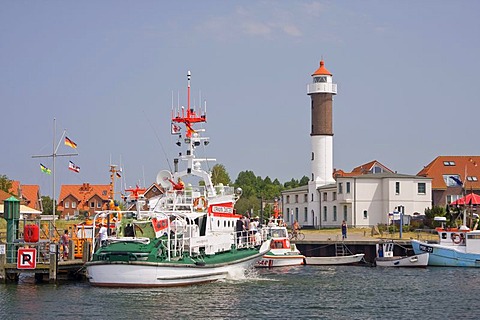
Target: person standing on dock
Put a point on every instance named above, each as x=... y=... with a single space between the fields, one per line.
x=64 y=242
x=344 y=230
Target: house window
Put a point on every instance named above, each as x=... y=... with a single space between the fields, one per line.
x=312 y=196
x=92 y=204
x=397 y=187
x=452 y=197
x=452 y=180
x=305 y=211
x=296 y=214
x=347 y=186
x=325 y=213
x=345 y=213
x=365 y=214
x=288 y=199
x=74 y=204
x=296 y=198
x=422 y=188
x=312 y=176
x=472 y=178
x=334 y=196
x=99 y=204
x=449 y=163
x=313 y=156
x=324 y=196
x=340 y=188
x=334 y=213
x=288 y=215
x=67 y=204
x=305 y=198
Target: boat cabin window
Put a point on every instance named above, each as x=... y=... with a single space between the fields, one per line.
x=444 y=235
x=473 y=236
x=278 y=233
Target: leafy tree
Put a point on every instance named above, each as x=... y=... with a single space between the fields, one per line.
x=247 y=181
x=47 y=204
x=435 y=211
x=291 y=184
x=5 y=183
x=220 y=175
x=304 y=181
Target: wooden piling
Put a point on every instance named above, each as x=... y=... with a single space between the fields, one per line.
x=3 y=273
x=52 y=274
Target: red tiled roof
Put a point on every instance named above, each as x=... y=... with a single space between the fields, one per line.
x=4 y=195
x=30 y=194
x=463 y=166
x=84 y=191
x=360 y=170
x=322 y=70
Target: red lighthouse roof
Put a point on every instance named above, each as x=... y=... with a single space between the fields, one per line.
x=322 y=71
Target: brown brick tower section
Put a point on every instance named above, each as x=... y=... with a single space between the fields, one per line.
x=322 y=114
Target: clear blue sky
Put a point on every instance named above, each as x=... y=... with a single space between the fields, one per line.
x=407 y=75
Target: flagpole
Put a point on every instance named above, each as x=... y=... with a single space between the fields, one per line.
x=54 y=155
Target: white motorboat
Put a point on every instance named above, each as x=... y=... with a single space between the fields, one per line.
x=385 y=257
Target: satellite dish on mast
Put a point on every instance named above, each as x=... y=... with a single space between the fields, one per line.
x=163 y=179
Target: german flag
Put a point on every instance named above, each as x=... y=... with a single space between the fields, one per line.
x=70 y=143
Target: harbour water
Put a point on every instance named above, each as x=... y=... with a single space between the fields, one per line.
x=302 y=292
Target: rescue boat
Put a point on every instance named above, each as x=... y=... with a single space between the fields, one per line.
x=187 y=235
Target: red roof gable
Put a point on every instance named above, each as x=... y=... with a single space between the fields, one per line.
x=30 y=194
x=4 y=195
x=462 y=166
x=362 y=169
x=84 y=191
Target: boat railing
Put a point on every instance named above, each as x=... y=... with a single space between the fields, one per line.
x=181 y=199
x=247 y=239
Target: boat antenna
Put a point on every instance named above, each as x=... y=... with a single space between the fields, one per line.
x=159 y=141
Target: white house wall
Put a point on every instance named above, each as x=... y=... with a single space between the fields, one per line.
x=376 y=195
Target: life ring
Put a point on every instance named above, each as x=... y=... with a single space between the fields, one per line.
x=456 y=238
x=200 y=203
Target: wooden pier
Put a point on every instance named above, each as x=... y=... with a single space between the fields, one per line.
x=330 y=248
x=47 y=266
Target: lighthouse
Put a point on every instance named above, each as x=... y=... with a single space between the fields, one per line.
x=321 y=91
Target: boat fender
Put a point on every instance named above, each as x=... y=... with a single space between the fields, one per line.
x=456 y=238
x=200 y=203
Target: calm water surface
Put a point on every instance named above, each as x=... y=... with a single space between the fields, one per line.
x=303 y=292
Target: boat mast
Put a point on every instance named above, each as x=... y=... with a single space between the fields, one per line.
x=193 y=140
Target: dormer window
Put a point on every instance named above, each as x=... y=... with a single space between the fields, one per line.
x=472 y=178
x=449 y=163
x=319 y=79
